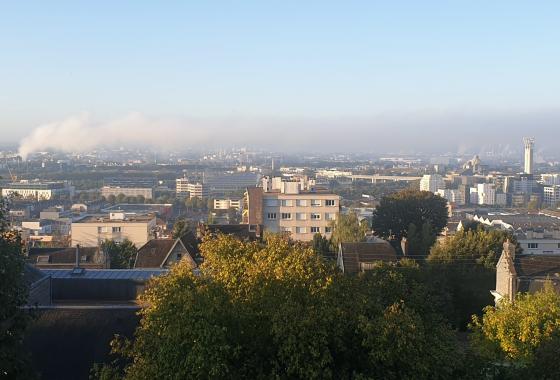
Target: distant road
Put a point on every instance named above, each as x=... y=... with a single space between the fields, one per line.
x=384 y=178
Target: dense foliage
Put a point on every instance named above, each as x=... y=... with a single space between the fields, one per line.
x=463 y=266
x=13 y=295
x=396 y=212
x=277 y=310
x=121 y=254
x=521 y=340
x=348 y=229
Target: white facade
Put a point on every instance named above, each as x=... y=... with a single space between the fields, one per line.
x=226 y=204
x=528 y=143
x=37 y=190
x=432 y=183
x=486 y=194
x=452 y=196
x=552 y=195
x=94 y=230
x=184 y=188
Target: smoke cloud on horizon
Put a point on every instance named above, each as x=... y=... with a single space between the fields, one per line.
x=418 y=131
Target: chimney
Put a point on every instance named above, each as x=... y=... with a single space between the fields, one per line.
x=77 y=256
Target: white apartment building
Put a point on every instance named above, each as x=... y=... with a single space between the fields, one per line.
x=291 y=207
x=486 y=194
x=37 y=190
x=95 y=229
x=452 y=196
x=184 y=189
x=227 y=203
x=432 y=183
x=552 y=195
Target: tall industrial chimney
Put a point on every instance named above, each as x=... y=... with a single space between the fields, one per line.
x=529 y=142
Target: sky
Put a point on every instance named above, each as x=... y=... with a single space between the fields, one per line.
x=363 y=75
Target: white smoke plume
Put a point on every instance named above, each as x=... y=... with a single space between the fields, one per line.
x=82 y=133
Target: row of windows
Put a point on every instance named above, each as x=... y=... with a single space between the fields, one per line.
x=299 y=202
x=536 y=245
x=304 y=230
x=300 y=216
x=101 y=230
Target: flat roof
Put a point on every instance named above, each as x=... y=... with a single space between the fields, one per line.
x=105 y=219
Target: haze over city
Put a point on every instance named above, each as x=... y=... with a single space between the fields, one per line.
x=83 y=75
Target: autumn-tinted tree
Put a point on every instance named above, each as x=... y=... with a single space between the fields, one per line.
x=121 y=254
x=13 y=295
x=277 y=310
x=396 y=212
x=521 y=339
x=348 y=229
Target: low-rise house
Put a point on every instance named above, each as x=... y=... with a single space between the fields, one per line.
x=163 y=253
x=524 y=273
x=359 y=257
x=66 y=258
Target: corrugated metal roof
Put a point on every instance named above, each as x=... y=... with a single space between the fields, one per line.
x=108 y=274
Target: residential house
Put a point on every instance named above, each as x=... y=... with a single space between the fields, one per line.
x=359 y=257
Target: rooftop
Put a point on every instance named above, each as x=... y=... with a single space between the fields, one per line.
x=104 y=218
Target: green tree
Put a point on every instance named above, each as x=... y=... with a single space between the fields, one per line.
x=521 y=338
x=121 y=254
x=463 y=267
x=14 y=361
x=420 y=241
x=277 y=310
x=396 y=212
x=232 y=216
x=321 y=245
x=111 y=199
x=121 y=198
x=181 y=227
x=140 y=199
x=348 y=229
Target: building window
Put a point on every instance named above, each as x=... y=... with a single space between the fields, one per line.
x=315 y=230
x=116 y=229
x=315 y=216
x=287 y=202
x=301 y=216
x=286 y=215
x=532 y=245
x=328 y=230
x=329 y=202
x=301 y=230
x=271 y=215
x=329 y=216
x=302 y=202
x=315 y=202
x=286 y=229
x=179 y=256
x=101 y=230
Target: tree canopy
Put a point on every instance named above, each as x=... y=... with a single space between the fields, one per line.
x=13 y=295
x=278 y=310
x=521 y=339
x=396 y=212
x=348 y=229
x=121 y=254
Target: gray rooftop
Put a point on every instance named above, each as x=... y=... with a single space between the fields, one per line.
x=107 y=274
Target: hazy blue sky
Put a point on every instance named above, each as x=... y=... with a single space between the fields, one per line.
x=315 y=65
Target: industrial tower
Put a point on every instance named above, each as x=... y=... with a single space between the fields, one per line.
x=529 y=142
